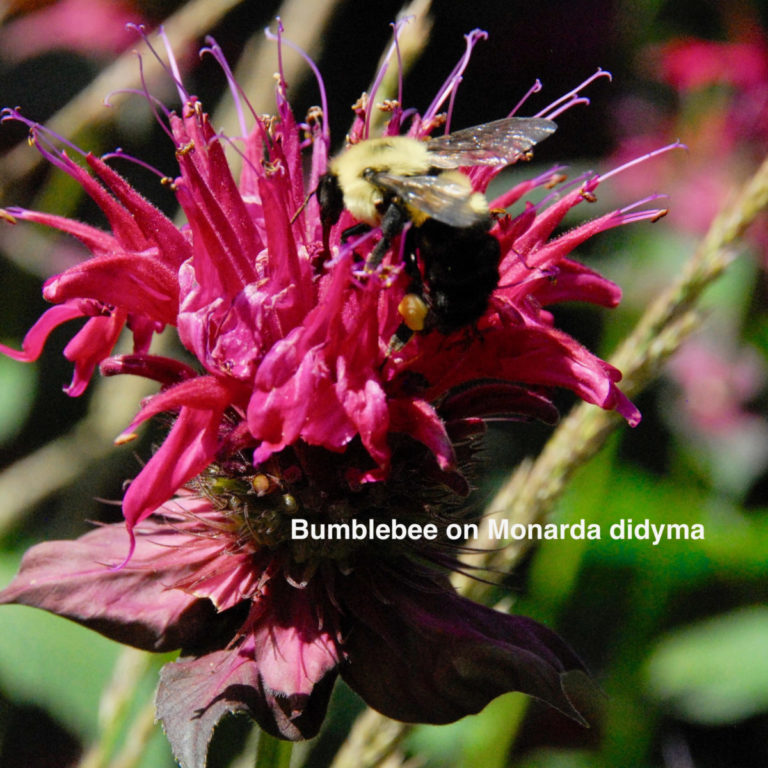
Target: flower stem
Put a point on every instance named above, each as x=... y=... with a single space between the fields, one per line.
x=130 y=668
x=272 y=752
x=373 y=741
x=137 y=738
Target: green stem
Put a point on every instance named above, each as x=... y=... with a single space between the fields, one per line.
x=115 y=705
x=272 y=752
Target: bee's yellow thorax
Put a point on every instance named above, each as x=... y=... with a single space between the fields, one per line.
x=398 y=155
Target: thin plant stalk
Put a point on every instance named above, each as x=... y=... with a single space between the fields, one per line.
x=114 y=706
x=143 y=728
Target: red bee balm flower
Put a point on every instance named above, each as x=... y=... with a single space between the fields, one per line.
x=303 y=431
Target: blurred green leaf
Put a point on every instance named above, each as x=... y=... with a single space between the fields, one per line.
x=733 y=542
x=53 y=663
x=17 y=386
x=557 y=563
x=635 y=496
x=477 y=741
x=555 y=758
x=64 y=668
x=491 y=732
x=716 y=671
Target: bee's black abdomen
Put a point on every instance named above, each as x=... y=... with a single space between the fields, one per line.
x=460 y=270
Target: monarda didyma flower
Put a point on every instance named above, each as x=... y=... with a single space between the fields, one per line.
x=300 y=408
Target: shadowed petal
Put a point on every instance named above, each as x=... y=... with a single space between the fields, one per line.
x=133 y=605
x=194 y=694
x=281 y=675
x=434 y=657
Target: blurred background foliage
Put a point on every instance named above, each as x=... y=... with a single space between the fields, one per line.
x=676 y=633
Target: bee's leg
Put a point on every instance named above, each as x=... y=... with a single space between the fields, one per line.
x=399 y=339
x=331 y=201
x=392 y=223
x=355 y=229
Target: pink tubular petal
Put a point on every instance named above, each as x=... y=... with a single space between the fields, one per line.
x=367 y=409
x=286 y=269
x=420 y=420
x=289 y=149
x=37 y=335
x=533 y=354
x=570 y=282
x=123 y=225
x=173 y=247
x=620 y=403
x=205 y=393
x=545 y=223
x=187 y=450
x=143 y=329
x=96 y=240
x=137 y=282
x=548 y=179
x=166 y=370
x=225 y=190
x=306 y=405
x=216 y=212
x=575 y=282
x=93 y=342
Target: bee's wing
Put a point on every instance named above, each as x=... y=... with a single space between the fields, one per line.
x=500 y=142
x=438 y=197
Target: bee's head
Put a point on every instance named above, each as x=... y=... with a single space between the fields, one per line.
x=331 y=199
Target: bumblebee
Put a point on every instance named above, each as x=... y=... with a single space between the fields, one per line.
x=451 y=257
